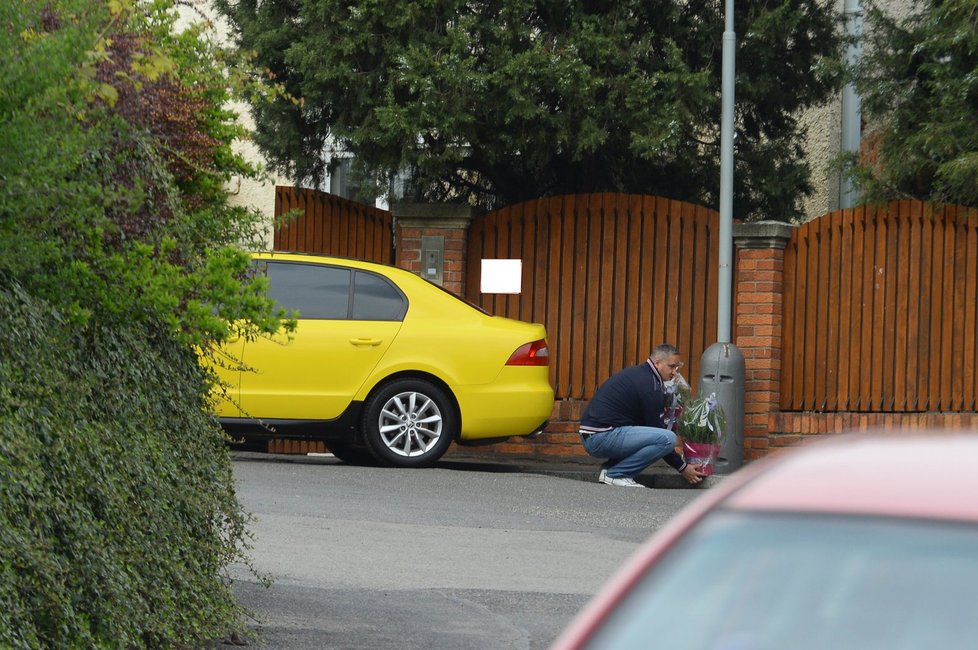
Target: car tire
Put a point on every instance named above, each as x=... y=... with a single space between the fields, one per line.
x=350 y=453
x=409 y=423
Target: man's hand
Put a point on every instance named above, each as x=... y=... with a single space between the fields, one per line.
x=693 y=474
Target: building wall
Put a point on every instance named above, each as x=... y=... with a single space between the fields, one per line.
x=823 y=127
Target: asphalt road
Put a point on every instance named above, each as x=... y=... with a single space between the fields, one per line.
x=462 y=555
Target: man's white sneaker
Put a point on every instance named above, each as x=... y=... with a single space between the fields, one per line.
x=602 y=475
x=623 y=481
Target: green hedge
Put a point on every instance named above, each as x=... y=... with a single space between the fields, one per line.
x=117 y=508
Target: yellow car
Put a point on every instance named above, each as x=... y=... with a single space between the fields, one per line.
x=384 y=366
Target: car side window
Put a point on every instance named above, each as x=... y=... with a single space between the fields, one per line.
x=315 y=291
x=375 y=298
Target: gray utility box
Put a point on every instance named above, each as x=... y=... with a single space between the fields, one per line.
x=722 y=373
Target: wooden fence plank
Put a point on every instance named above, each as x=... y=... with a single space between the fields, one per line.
x=832 y=288
x=658 y=268
x=797 y=332
x=878 y=320
x=514 y=250
x=840 y=401
x=958 y=227
x=789 y=338
x=617 y=205
x=936 y=315
x=528 y=253
x=604 y=253
x=709 y=237
x=948 y=312
x=890 y=278
x=924 y=314
x=822 y=365
x=914 y=311
x=902 y=307
x=810 y=328
x=559 y=309
x=685 y=264
x=495 y=242
x=672 y=270
x=970 y=383
x=585 y=305
x=868 y=274
x=319 y=210
x=856 y=280
x=646 y=276
x=631 y=205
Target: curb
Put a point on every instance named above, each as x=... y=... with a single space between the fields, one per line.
x=662 y=478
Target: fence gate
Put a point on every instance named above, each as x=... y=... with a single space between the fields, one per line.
x=331 y=225
x=610 y=275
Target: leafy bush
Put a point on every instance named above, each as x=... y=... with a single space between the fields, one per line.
x=117 y=507
x=118 y=259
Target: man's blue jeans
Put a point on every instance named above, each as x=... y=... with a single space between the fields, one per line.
x=629 y=450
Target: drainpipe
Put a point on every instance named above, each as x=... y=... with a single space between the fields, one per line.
x=851 y=114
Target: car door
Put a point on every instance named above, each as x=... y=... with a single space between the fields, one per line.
x=225 y=361
x=347 y=319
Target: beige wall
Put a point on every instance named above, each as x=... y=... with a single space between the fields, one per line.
x=246 y=192
x=823 y=142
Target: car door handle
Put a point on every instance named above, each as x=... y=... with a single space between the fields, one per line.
x=371 y=342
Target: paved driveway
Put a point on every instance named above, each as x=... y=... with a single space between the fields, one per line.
x=463 y=555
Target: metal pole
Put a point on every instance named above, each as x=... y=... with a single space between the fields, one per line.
x=851 y=110
x=722 y=365
x=726 y=176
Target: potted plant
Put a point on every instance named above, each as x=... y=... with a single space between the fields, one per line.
x=701 y=426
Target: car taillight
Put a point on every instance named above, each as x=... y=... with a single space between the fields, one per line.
x=531 y=354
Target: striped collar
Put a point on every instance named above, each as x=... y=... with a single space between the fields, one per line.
x=655 y=373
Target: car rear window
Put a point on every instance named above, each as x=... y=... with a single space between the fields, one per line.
x=790 y=581
x=319 y=291
x=375 y=298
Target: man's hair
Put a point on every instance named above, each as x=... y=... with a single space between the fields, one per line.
x=663 y=351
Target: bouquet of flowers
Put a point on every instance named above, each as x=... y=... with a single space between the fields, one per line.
x=701 y=426
x=680 y=392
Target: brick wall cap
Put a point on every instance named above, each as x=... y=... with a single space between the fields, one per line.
x=434 y=215
x=762 y=234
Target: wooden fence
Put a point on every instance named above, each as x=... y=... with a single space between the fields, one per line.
x=331 y=225
x=610 y=275
x=880 y=311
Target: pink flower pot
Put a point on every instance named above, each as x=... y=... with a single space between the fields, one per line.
x=700 y=453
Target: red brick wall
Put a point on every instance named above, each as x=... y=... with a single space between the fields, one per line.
x=409 y=253
x=758 y=337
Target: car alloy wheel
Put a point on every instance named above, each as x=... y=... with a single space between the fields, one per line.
x=409 y=423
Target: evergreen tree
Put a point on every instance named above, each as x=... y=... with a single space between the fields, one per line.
x=919 y=81
x=498 y=101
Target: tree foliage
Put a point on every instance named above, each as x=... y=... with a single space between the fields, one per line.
x=119 y=258
x=497 y=101
x=116 y=147
x=919 y=82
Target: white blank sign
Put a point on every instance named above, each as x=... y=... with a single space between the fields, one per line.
x=502 y=276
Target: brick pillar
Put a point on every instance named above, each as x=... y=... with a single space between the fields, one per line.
x=758 y=321
x=437 y=229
